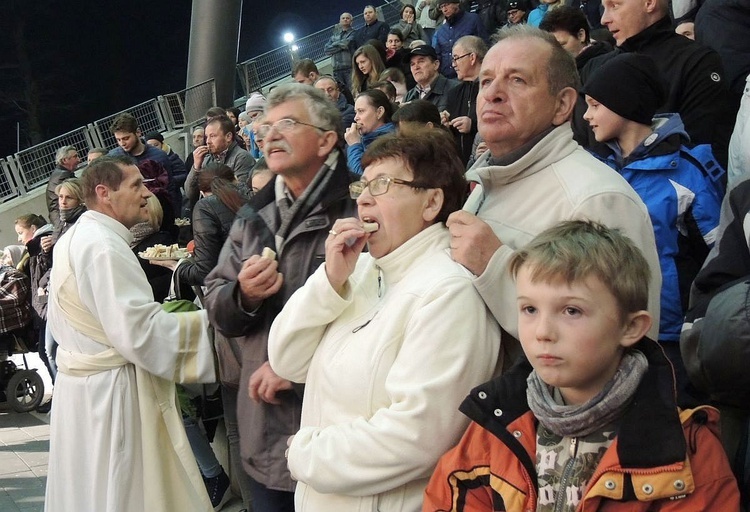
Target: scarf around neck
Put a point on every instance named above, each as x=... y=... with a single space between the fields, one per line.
x=292 y=212
x=602 y=410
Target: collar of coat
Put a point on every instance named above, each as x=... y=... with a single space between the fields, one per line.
x=654 y=34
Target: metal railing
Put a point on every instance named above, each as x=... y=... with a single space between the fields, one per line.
x=270 y=67
x=30 y=168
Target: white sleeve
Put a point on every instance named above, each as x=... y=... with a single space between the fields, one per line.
x=301 y=324
x=174 y=346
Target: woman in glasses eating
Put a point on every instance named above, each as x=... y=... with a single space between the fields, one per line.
x=388 y=342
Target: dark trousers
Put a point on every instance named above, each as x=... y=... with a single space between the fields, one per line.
x=241 y=480
x=270 y=500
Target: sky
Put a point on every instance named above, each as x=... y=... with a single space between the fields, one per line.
x=91 y=58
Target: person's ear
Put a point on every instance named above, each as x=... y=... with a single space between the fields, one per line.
x=380 y=112
x=652 y=6
x=566 y=102
x=636 y=326
x=433 y=204
x=102 y=193
x=327 y=142
x=582 y=35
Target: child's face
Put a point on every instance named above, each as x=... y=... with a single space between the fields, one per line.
x=572 y=334
x=605 y=124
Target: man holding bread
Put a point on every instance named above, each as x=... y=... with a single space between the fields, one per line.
x=291 y=216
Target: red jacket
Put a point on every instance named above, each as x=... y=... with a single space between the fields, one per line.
x=661 y=459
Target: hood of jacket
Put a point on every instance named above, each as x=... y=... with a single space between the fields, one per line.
x=668 y=134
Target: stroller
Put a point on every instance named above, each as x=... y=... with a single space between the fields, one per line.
x=23 y=387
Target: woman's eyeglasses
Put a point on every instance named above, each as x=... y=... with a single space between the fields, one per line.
x=378 y=186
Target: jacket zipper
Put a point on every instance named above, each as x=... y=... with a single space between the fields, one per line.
x=561 y=497
x=380 y=294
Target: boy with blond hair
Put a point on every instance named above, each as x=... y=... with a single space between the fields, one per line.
x=588 y=421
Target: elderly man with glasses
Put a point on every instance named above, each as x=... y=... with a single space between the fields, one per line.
x=292 y=216
x=460 y=115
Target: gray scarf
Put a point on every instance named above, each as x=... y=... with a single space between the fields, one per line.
x=292 y=213
x=602 y=410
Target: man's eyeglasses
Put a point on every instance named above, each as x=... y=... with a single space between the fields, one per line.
x=456 y=59
x=378 y=186
x=283 y=126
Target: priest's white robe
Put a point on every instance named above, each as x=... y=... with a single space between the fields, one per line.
x=116 y=439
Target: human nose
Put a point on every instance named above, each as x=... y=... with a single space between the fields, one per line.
x=365 y=197
x=587 y=115
x=272 y=133
x=606 y=18
x=543 y=328
x=493 y=91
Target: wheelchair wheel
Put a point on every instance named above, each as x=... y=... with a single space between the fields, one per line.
x=25 y=390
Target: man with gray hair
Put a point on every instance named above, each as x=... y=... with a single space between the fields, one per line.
x=534 y=174
x=66 y=162
x=460 y=115
x=328 y=85
x=247 y=289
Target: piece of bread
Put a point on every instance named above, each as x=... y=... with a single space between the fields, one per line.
x=268 y=253
x=369 y=227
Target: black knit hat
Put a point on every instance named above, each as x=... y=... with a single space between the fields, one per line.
x=155 y=135
x=630 y=85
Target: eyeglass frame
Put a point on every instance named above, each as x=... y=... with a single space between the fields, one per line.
x=456 y=59
x=383 y=177
x=264 y=129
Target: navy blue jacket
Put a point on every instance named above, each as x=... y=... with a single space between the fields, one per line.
x=462 y=24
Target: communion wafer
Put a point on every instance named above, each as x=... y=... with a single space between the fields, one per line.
x=268 y=253
x=369 y=227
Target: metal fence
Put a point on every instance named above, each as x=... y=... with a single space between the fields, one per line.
x=272 y=66
x=7 y=186
x=35 y=164
x=30 y=168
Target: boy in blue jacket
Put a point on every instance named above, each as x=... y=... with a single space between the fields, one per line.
x=680 y=186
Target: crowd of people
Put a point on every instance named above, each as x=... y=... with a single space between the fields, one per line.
x=497 y=260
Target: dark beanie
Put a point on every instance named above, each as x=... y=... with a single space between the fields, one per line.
x=155 y=135
x=629 y=85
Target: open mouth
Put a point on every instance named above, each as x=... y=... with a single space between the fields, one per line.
x=370 y=225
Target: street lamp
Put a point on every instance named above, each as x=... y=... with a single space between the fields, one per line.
x=289 y=39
